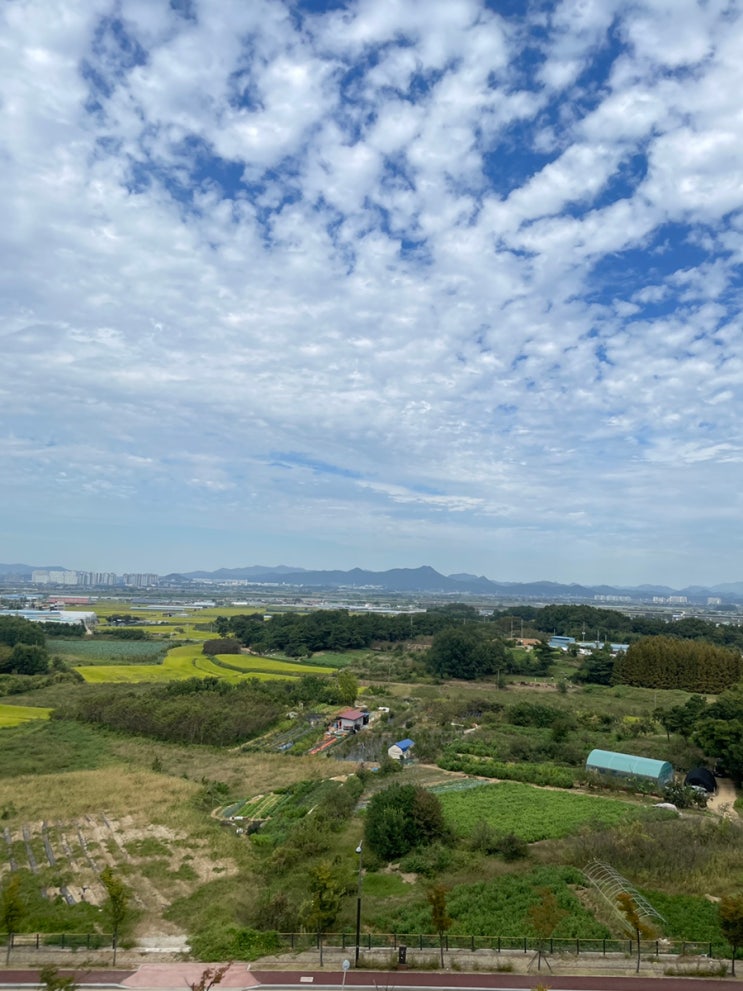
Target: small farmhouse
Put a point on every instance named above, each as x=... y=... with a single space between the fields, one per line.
x=401 y=750
x=629 y=766
x=350 y=720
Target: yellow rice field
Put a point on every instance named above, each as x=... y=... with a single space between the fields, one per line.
x=14 y=715
x=189 y=662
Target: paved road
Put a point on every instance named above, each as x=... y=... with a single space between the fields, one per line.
x=384 y=980
x=177 y=977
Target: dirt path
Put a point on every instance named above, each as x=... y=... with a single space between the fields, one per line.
x=724 y=801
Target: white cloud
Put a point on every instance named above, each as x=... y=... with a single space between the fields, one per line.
x=494 y=302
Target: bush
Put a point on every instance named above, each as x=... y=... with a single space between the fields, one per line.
x=402 y=817
x=220 y=942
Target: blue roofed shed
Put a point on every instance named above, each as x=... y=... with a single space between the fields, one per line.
x=400 y=750
x=629 y=766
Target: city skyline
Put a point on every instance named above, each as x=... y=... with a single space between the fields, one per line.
x=349 y=284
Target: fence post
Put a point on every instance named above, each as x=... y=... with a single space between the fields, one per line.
x=37 y=941
x=577 y=947
x=524 y=944
x=604 y=949
x=499 y=944
x=472 y=944
x=420 y=940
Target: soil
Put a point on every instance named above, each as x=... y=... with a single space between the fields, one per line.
x=723 y=802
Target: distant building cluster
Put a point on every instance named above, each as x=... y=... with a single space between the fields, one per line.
x=612 y=598
x=91 y=578
x=670 y=600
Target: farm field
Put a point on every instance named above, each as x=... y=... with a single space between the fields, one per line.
x=189 y=661
x=15 y=715
x=534 y=813
x=86 y=651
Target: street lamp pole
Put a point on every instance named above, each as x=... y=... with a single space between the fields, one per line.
x=358 y=908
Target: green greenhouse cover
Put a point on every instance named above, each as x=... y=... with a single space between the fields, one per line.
x=642 y=767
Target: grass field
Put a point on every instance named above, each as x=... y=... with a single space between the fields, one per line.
x=533 y=813
x=15 y=715
x=190 y=662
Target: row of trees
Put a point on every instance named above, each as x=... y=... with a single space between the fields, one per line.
x=689 y=665
x=298 y=634
x=589 y=622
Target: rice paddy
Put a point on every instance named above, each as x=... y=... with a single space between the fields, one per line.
x=15 y=715
x=189 y=661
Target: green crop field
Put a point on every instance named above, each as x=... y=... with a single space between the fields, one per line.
x=534 y=813
x=14 y=715
x=99 y=651
x=189 y=662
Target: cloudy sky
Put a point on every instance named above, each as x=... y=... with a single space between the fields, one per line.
x=374 y=283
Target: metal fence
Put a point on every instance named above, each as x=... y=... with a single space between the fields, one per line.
x=63 y=941
x=298 y=942
x=501 y=944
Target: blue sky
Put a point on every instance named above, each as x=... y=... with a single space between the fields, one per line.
x=375 y=284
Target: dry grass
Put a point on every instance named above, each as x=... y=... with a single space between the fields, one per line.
x=120 y=791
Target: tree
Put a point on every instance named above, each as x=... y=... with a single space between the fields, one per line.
x=348 y=687
x=117 y=906
x=12 y=910
x=730 y=911
x=467 y=652
x=28 y=658
x=441 y=920
x=641 y=928
x=545 y=916
x=400 y=818
x=326 y=895
x=51 y=979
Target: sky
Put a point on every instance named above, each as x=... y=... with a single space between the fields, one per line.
x=376 y=283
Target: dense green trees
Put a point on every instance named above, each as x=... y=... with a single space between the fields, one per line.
x=666 y=662
x=401 y=818
x=15 y=629
x=465 y=652
x=298 y=634
x=22 y=647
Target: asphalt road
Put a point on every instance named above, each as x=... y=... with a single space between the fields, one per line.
x=172 y=978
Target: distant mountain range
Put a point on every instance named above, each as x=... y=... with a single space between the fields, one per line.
x=427 y=579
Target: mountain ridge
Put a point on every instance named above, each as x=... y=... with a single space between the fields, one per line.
x=422 y=579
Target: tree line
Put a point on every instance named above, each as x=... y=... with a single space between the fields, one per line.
x=302 y=634
x=199 y=710
x=592 y=623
